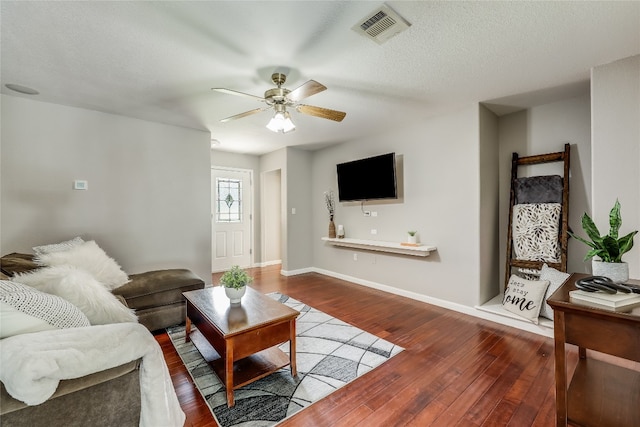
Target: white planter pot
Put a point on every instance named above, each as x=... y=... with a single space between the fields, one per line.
x=412 y=239
x=235 y=295
x=616 y=271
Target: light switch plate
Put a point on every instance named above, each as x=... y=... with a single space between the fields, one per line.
x=80 y=184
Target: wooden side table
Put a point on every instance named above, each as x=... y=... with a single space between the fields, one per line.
x=599 y=393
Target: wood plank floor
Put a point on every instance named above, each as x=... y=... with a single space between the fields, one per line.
x=456 y=370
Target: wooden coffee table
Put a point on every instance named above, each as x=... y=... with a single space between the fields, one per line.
x=239 y=341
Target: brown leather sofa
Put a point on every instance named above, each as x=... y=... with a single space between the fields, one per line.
x=156 y=296
x=103 y=399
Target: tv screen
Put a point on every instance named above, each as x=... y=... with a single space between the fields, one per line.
x=372 y=178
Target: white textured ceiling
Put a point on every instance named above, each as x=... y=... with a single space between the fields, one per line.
x=158 y=60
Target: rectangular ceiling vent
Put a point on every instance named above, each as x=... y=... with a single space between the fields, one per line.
x=381 y=24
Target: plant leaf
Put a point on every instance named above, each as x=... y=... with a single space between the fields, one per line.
x=610 y=245
x=615 y=220
x=590 y=228
x=626 y=243
x=586 y=242
x=600 y=253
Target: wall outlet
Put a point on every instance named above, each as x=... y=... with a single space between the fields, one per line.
x=80 y=184
x=367 y=213
x=374 y=231
x=355 y=256
x=293 y=211
x=374 y=213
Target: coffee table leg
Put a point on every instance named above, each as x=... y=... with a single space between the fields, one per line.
x=229 y=374
x=187 y=329
x=292 y=348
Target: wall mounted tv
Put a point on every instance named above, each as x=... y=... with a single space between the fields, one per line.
x=373 y=178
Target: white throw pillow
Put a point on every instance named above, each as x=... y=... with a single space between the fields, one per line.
x=58 y=247
x=24 y=309
x=90 y=257
x=524 y=297
x=81 y=289
x=556 y=278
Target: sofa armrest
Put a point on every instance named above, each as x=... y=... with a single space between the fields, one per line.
x=158 y=288
x=8 y=404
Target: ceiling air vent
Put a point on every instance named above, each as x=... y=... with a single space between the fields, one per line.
x=381 y=24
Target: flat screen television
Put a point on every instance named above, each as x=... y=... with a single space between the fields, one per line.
x=373 y=178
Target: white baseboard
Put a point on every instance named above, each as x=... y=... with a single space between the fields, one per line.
x=267 y=263
x=296 y=272
x=482 y=312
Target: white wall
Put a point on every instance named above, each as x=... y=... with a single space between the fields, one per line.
x=271 y=216
x=441 y=201
x=277 y=161
x=490 y=270
x=545 y=129
x=245 y=161
x=147 y=202
x=615 y=124
x=299 y=226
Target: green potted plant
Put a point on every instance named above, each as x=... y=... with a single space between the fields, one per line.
x=413 y=239
x=235 y=283
x=608 y=248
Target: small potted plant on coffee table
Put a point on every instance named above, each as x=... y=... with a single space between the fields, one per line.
x=235 y=283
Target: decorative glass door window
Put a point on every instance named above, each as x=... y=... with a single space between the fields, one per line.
x=228 y=200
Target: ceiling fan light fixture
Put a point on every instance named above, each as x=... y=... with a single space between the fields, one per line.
x=281 y=122
x=279 y=98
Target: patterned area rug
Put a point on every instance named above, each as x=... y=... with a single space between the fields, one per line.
x=330 y=354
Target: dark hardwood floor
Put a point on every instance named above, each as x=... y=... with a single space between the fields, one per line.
x=456 y=370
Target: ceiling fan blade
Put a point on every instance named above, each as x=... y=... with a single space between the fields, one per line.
x=245 y=114
x=235 y=92
x=324 y=113
x=307 y=89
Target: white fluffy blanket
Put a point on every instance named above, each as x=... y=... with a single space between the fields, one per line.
x=33 y=365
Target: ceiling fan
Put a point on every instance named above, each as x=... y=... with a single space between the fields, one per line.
x=279 y=98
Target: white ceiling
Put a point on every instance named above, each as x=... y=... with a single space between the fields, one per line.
x=159 y=60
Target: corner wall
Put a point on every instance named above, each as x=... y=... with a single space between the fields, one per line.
x=277 y=161
x=148 y=196
x=615 y=124
x=299 y=254
x=490 y=271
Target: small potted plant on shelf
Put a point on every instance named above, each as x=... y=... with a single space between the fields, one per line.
x=608 y=248
x=412 y=238
x=235 y=283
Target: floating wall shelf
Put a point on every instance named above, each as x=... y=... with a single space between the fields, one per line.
x=375 y=245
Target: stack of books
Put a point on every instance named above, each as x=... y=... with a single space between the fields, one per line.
x=616 y=301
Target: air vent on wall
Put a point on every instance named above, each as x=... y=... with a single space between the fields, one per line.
x=381 y=24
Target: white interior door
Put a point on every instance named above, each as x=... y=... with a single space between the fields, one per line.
x=231 y=218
